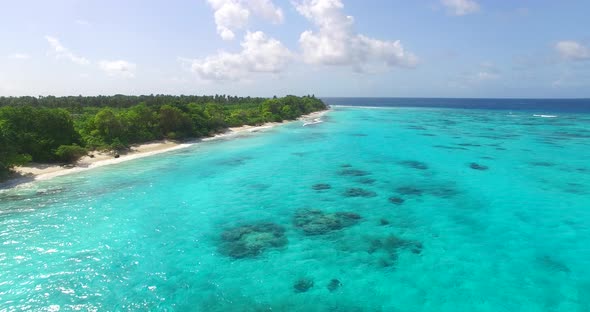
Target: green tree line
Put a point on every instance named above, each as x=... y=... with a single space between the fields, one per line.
x=62 y=129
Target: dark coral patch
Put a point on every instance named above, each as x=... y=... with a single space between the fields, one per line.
x=353 y=173
x=450 y=147
x=552 y=264
x=334 y=285
x=321 y=186
x=358 y=192
x=317 y=222
x=542 y=164
x=391 y=244
x=469 y=144
x=409 y=190
x=367 y=181
x=348 y=218
x=385 y=250
x=238 y=161
x=414 y=164
x=252 y=240
x=303 y=285
x=443 y=192
x=396 y=200
x=477 y=166
x=574 y=188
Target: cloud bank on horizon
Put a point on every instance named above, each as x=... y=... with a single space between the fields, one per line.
x=265 y=47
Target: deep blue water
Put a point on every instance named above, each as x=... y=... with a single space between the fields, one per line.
x=533 y=105
x=387 y=209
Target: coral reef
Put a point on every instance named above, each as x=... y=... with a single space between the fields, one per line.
x=386 y=249
x=396 y=200
x=414 y=164
x=317 y=222
x=251 y=240
x=367 y=181
x=409 y=190
x=303 y=285
x=353 y=173
x=321 y=186
x=358 y=192
x=334 y=285
x=477 y=166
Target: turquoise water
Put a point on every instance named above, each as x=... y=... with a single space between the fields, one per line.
x=447 y=210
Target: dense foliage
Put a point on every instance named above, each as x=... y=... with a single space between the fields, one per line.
x=50 y=129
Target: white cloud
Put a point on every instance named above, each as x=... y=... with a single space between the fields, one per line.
x=461 y=7
x=267 y=10
x=487 y=71
x=485 y=75
x=82 y=22
x=336 y=42
x=118 y=68
x=20 y=56
x=260 y=54
x=63 y=52
x=572 y=50
x=231 y=15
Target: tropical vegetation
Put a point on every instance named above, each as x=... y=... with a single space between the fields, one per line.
x=63 y=129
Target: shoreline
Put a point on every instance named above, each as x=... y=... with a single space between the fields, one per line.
x=41 y=172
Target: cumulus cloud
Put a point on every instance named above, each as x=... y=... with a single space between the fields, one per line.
x=336 y=42
x=118 y=68
x=461 y=7
x=267 y=10
x=260 y=54
x=231 y=15
x=572 y=50
x=63 y=52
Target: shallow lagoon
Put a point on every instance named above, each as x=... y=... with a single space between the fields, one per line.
x=469 y=210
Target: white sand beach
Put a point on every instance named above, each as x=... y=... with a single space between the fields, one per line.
x=36 y=172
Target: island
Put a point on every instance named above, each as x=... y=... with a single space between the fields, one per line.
x=61 y=130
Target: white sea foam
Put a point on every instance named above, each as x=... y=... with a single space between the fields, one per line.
x=544 y=116
x=313 y=122
x=372 y=107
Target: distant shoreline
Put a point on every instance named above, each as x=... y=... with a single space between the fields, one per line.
x=40 y=172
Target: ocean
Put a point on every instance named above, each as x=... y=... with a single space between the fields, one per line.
x=384 y=205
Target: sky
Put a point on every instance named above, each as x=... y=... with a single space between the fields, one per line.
x=348 y=48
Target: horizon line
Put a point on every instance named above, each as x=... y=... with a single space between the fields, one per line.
x=320 y=97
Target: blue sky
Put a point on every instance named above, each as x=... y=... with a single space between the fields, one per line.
x=422 y=48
